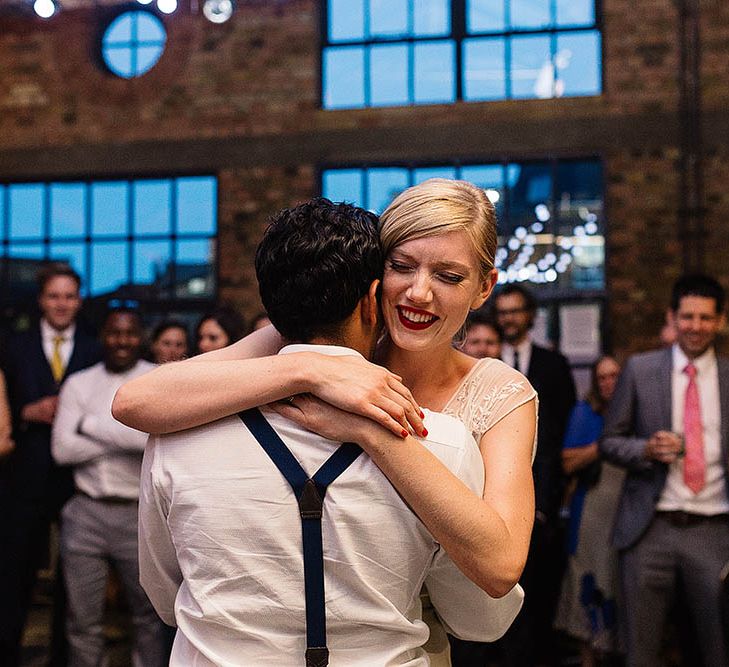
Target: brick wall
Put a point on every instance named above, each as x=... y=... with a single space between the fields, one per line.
x=247 y=199
x=641 y=56
x=643 y=252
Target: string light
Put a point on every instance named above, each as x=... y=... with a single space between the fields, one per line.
x=546 y=269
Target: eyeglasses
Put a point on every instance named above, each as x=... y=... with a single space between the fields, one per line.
x=510 y=311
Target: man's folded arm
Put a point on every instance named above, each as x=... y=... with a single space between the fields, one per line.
x=116 y=435
x=68 y=445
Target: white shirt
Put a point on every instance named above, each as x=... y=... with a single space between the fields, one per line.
x=106 y=455
x=48 y=334
x=221 y=553
x=525 y=354
x=712 y=499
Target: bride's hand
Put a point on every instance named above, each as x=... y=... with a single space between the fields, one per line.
x=363 y=388
x=328 y=421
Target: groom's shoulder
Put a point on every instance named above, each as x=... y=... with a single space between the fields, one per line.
x=215 y=433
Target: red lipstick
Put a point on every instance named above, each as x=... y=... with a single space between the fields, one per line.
x=426 y=318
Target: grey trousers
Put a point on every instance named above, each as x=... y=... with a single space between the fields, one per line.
x=669 y=552
x=94 y=533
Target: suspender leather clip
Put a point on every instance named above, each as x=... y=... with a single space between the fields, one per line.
x=310 y=502
x=317 y=656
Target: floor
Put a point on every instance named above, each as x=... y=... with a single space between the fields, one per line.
x=38 y=630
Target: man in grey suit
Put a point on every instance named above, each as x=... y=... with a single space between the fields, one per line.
x=672 y=524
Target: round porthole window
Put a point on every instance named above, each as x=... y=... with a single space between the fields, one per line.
x=133 y=43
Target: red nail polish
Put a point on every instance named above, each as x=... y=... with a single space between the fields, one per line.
x=422 y=414
x=425 y=432
x=404 y=433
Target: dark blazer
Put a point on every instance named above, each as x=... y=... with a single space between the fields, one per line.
x=30 y=471
x=641 y=405
x=550 y=374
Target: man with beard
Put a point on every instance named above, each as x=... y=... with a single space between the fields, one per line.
x=549 y=373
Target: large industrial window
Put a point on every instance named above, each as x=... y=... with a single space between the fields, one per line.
x=400 y=52
x=149 y=240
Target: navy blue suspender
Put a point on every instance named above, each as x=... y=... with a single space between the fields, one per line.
x=310 y=494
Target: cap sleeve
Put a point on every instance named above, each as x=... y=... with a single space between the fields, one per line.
x=489 y=392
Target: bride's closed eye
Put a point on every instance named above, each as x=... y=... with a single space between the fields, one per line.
x=400 y=267
x=452 y=278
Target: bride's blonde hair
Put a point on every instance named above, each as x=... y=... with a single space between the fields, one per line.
x=438 y=206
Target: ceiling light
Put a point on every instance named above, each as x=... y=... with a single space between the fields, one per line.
x=45 y=8
x=218 y=11
x=167 y=6
x=144 y=2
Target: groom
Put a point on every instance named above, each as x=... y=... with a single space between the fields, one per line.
x=221 y=534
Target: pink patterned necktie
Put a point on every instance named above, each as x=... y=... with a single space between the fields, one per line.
x=694 y=467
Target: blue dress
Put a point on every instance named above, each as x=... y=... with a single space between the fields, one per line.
x=583 y=428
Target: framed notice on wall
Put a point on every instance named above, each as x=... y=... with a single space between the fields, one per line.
x=580 y=338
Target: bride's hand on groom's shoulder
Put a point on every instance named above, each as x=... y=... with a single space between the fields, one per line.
x=362 y=388
x=326 y=420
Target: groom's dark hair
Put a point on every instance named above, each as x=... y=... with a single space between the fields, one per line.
x=314 y=264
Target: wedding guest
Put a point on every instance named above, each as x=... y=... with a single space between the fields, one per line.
x=38 y=363
x=530 y=639
x=587 y=607
x=169 y=342
x=482 y=336
x=218 y=328
x=100 y=521
x=666 y=426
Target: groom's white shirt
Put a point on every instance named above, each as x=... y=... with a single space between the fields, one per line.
x=221 y=554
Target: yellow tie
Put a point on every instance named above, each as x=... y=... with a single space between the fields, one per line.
x=57 y=367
